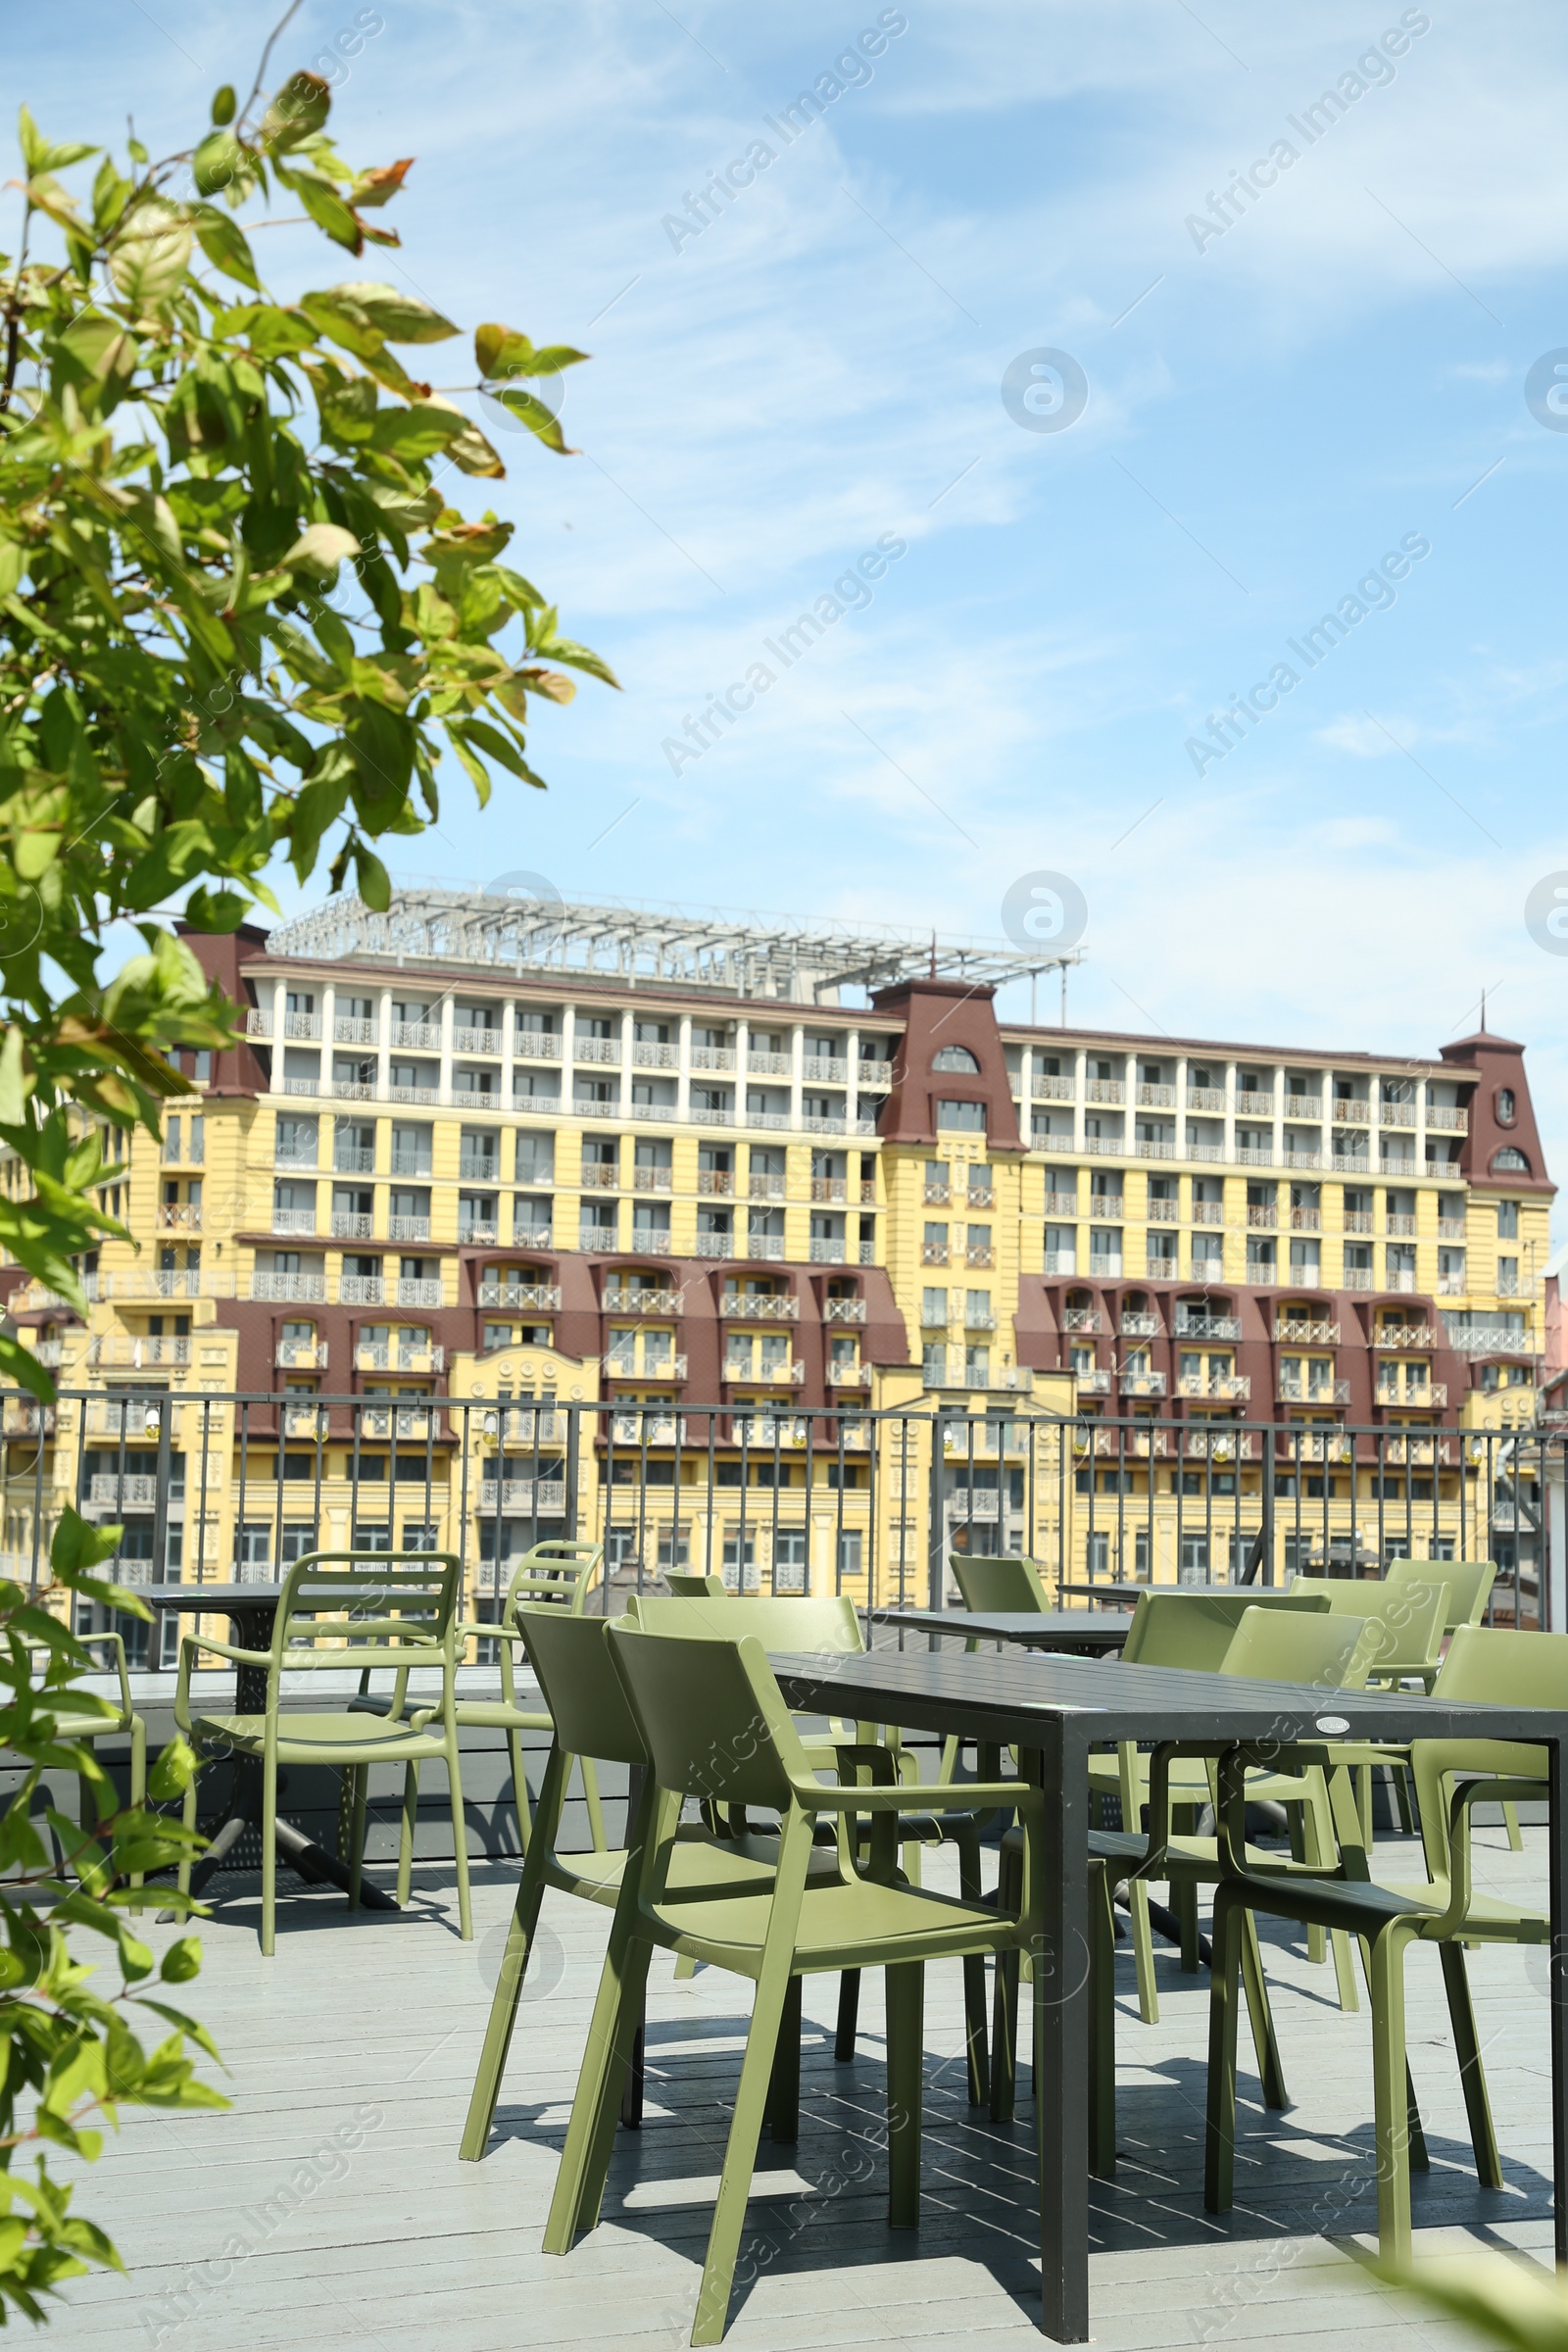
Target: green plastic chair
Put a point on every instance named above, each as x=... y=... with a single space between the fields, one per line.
x=557 y=1571
x=692 y=1585
x=86 y=1730
x=589 y=1718
x=716 y=1727
x=1411 y=1612
x=1193 y=1628
x=1469 y=1583
x=1000 y=1582
x=344 y=1609
x=830 y=1624
x=1519 y=1670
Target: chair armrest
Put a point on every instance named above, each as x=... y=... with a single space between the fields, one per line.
x=227 y=1650
x=815 y=1797
x=1468 y=1794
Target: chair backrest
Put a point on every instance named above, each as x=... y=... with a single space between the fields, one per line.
x=1193 y=1627
x=828 y=1622
x=1496 y=1663
x=1411 y=1616
x=1469 y=1583
x=582 y=1690
x=1270 y=1646
x=379 y=1604
x=711 y=1714
x=998 y=1583
x=559 y=1571
x=690 y=1584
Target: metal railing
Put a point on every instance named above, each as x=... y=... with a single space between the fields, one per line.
x=774 y=1495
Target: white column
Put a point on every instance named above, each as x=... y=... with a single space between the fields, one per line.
x=445 y=1080
x=852 y=1091
x=797 y=1073
x=683 y=1078
x=509 y=1039
x=1229 y=1114
x=280 y=1048
x=383 y=1051
x=743 y=1047
x=1080 y=1092
x=626 y=1020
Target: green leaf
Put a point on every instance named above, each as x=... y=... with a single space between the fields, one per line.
x=225 y=245
x=224 y=103
x=173 y=1772
x=182 y=1961
x=216 y=163
x=417 y=432
x=298 y=112
x=151 y=254
x=78 y=1545
x=216 y=911
x=500 y=351
x=325 y=207
x=373 y=879
x=321 y=548
x=397 y=318
x=490 y=739
x=530 y=411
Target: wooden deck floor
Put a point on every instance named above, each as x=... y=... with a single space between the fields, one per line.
x=329 y=2208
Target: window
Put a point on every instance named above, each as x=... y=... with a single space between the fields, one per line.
x=967 y=1118
x=934 y=1306
x=253 y=1551
x=956 y=1057
x=1507 y=1220
x=788 y=1560
x=1510 y=1160
x=1507 y=1110
x=849 y=1547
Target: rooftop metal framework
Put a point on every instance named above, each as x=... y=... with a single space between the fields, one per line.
x=519 y=924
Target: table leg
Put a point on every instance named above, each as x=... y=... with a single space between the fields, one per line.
x=631 y=2096
x=1063 y=2029
x=1557 y=1790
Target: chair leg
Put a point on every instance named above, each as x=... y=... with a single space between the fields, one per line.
x=685 y=1966
x=520 y=1788
x=1184 y=1902
x=359 y=1790
x=411 y=1815
x=1390 y=2096
x=849 y=2016
x=1473 y=2081
x=1510 y=1822
x=905 y=2003
x=976 y=2053
x=503 y=2018
x=1403 y=1799
x=783 y=2112
x=459 y=1844
x=1005 y=2003
x=188 y=1815
x=1271 y=2073
x=139 y=1780
x=1102 y=2024
x=269 y=1855
x=591 y=2132
x=1219 y=2137
x=1320 y=1847
x=1143 y=1937
x=739 y=2156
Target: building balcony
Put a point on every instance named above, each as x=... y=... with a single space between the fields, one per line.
x=542 y=1297
x=259 y=1021
x=1308 y=1392
x=772 y=1122
x=981 y=1195
x=350 y=1226
x=1302 y=1159
x=1396 y=1115
x=1300 y=1334
x=1358 y=1220
x=350 y=1090
x=1262 y=1213
x=1104 y=1090
x=1399 y=1228
x=125 y=1347
x=1448 y=1121
x=650 y=1301
x=300 y=1355
x=1061 y=1205
x=717 y=1244
x=306 y=1025
x=178 y=1217
x=769 y=1065
x=523 y=1498
x=1510 y=1287
x=974 y=1502
x=738 y=1306
x=478 y=1167
x=1219 y=1388
x=826 y=1070
x=309 y=1088
x=1419 y=1397
x=1454 y=1285
x=1060 y=1261
x=765 y=1188
x=1208 y=1327
x=533 y=1237
x=601 y=1176
x=1051 y=1089
x=713 y=1057
x=1206 y=1098
x=874 y=1074
x=1254 y=1106
x=476 y=1041
x=623 y=1367
x=408 y=1229
x=1305 y=1106
x=700 y=1116
x=535 y=1045
x=413 y=1093
x=355 y=1033
x=1205 y=1271
x=133 y=1493
x=934 y=1253
x=415 y=1292
x=1351 y=1163
x=1082 y=1318
x=647 y=1429
x=1398 y=1280
x=1143 y=1384
x=719 y=1182
x=1205 y=1152
x=362 y=1290
x=1105 y=1267
x=979 y=1318
x=402 y=1421
x=843 y=1310
x=379 y=1355
x=849 y=1376
x=1255 y=1156
x=1164 y=1212
x=1209 y=1212
x=604 y=1051
x=777 y=1372
x=305 y=1290
x=294 y=1220
x=478 y=1234
x=653 y=1180
x=1450 y=1229
x=1156 y=1097
x=1358 y=1278
x=416 y=1037
x=834 y=1126
x=980 y=1254
x=1145 y=1149
x=1101 y=1146
x=829 y=1188
x=1094 y=1382
x=1408 y=1336
x=766 y=1247
x=654 y=1057
x=1140 y=1326
x=1306 y=1220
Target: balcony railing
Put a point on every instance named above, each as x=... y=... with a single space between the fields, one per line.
x=413 y=1093
x=1445 y=1118
x=974 y=1502
x=536 y=1045
x=849 y=1376
x=1051 y=1089
x=713 y=1057
x=1164 y=1212
x=1313 y=1392
x=133 y=1493
x=651 y=1301
x=378 y=1356
x=543 y=1297
x=775 y=1372
x=1208 y=1327
x=1082 y=1318
x=1450 y=1229
x=1206 y=1098
x=717 y=1244
x=647 y=1429
x=1407 y=1335
x=843 y=1310
x=416 y=1037
x=1422 y=1396
x=769 y=1065
x=300 y=1355
x=655 y=1055
x=1223 y=1388
x=1209 y=1212
x=826 y=1070
x=1143 y=1384
x=1061 y=1205
x=1296 y=1334
x=653 y=1180
x=308 y=1289
x=259 y=1021
x=719 y=1182
x=1060 y=1261
x=1347 y=1112
x=1159 y=1098
x=1254 y=1106
x=829 y=1188
x=476 y=1041
x=980 y=1254
x=874 y=1074
x=1104 y=1090
x=294 y=1220
x=478 y=1233
x=362 y=1290
x=1396 y=1115
x=1096 y=1382
x=355 y=1033
x=301 y=1024
x=1399 y=1227
x=351 y=1226
x=178 y=1217
x=603 y=1050
x=1263 y=1213
x=408 y=1229
x=769 y=1247
x=743 y=1307
x=1306 y=1220
x=528 y=1497
x=124 y=1347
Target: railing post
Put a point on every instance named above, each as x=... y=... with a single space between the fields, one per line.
x=161 y=1493
x=935 y=1579
x=573 y=1412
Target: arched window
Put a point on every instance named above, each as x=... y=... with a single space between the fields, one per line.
x=956 y=1057
x=1511 y=1159
x=1506 y=1107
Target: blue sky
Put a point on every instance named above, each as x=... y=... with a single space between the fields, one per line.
x=1270 y=410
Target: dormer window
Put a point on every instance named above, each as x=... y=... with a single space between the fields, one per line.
x=956 y=1057
x=1507 y=1112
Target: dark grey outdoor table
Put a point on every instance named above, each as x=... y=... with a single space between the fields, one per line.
x=252 y=1610
x=1056 y=1709
x=1079 y=1632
